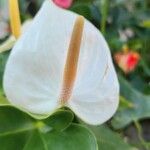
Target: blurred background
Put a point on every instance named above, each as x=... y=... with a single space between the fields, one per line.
x=125 y=25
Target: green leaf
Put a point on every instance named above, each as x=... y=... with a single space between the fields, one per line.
x=3 y=99
x=124 y=103
x=19 y=131
x=84 y=1
x=14 y=121
x=60 y=119
x=82 y=9
x=75 y=137
x=145 y=67
x=3 y=60
x=145 y=23
x=140 y=109
x=109 y=140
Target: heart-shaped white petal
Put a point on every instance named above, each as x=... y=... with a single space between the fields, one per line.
x=34 y=72
x=99 y=102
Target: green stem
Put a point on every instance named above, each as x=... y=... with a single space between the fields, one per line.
x=126 y=103
x=139 y=131
x=104 y=11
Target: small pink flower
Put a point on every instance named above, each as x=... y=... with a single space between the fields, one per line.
x=127 y=61
x=63 y=3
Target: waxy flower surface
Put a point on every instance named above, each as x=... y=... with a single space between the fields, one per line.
x=62 y=60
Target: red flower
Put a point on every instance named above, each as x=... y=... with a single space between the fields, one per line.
x=127 y=61
x=63 y=3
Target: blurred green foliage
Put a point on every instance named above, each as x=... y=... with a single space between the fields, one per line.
x=110 y=17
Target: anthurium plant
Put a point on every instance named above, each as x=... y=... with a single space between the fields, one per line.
x=58 y=83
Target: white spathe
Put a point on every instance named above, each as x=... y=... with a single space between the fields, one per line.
x=34 y=71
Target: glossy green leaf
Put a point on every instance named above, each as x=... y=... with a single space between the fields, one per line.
x=140 y=106
x=82 y=9
x=13 y=121
x=75 y=137
x=19 y=131
x=109 y=140
x=60 y=119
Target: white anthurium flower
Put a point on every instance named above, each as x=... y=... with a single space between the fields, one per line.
x=62 y=60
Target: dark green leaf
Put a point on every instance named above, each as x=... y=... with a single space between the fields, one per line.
x=140 y=109
x=109 y=140
x=83 y=9
x=3 y=60
x=73 y=138
x=60 y=119
x=13 y=121
x=18 y=131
